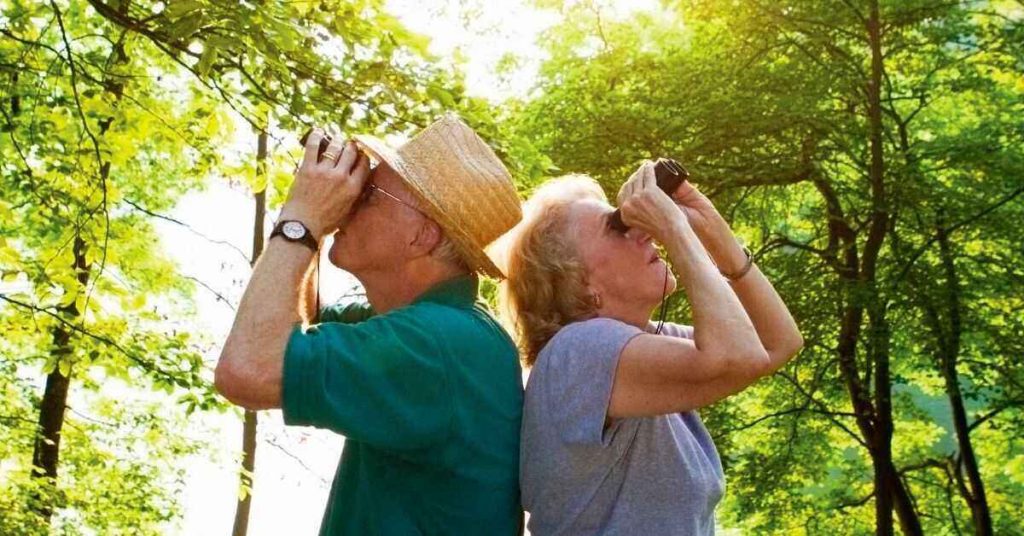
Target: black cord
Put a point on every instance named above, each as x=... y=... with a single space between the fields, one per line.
x=316 y=274
x=664 y=302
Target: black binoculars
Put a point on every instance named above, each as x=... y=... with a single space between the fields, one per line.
x=669 y=174
x=324 y=143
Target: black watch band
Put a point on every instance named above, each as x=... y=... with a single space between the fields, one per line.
x=296 y=231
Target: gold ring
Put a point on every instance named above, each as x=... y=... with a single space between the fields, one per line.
x=330 y=155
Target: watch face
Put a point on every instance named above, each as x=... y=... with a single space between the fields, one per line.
x=293 y=230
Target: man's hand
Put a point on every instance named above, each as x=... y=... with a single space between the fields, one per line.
x=323 y=192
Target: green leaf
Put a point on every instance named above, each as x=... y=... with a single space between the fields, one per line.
x=207 y=59
x=186 y=26
x=179 y=8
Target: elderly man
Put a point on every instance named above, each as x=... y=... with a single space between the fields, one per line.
x=421 y=380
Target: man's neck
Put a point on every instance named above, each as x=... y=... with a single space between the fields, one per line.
x=387 y=290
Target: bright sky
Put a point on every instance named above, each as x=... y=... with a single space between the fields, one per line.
x=294 y=466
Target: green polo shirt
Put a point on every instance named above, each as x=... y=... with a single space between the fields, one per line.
x=429 y=398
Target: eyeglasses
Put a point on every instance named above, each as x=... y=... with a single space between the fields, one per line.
x=370 y=187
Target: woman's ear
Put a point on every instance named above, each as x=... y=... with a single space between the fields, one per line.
x=595 y=299
x=428 y=236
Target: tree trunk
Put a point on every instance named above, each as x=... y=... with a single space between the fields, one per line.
x=15 y=97
x=46 y=451
x=241 y=526
x=948 y=355
x=886 y=480
x=890 y=490
x=886 y=475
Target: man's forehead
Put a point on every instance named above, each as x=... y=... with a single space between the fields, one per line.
x=392 y=182
x=385 y=176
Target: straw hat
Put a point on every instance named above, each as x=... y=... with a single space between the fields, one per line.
x=461 y=183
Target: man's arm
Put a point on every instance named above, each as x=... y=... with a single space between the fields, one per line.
x=249 y=372
x=308 y=292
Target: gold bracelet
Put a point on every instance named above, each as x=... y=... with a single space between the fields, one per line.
x=743 y=271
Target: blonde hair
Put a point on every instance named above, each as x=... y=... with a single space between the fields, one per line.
x=546 y=285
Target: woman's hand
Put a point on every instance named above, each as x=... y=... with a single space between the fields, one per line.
x=710 y=227
x=646 y=207
x=700 y=212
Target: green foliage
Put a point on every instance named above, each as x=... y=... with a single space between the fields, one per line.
x=122 y=466
x=110 y=112
x=766 y=104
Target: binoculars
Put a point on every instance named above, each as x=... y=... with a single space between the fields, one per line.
x=324 y=143
x=669 y=174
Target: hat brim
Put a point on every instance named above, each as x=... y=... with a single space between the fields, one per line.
x=475 y=256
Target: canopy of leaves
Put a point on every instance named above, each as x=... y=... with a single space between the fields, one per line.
x=766 y=104
x=110 y=112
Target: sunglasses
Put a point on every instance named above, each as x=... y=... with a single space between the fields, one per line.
x=370 y=188
x=368 y=191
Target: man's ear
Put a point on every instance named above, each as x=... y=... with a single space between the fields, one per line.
x=428 y=236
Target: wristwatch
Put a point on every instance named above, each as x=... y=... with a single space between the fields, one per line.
x=295 y=231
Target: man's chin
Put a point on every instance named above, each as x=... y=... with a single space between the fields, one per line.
x=334 y=254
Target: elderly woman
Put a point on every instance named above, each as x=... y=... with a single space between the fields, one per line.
x=611 y=440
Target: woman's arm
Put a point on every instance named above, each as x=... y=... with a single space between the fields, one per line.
x=775 y=325
x=659 y=374
x=776 y=328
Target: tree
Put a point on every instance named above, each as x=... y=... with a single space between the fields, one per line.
x=790 y=116
x=110 y=113
x=70 y=158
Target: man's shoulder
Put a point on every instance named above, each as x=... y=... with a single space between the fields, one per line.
x=445 y=315
x=347 y=312
x=426 y=321
x=471 y=325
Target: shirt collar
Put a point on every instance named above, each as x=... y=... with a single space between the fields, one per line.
x=458 y=291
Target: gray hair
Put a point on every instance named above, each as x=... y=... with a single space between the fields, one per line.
x=447 y=252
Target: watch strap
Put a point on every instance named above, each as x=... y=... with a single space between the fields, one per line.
x=306 y=239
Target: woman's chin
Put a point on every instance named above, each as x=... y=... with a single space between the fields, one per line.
x=666 y=279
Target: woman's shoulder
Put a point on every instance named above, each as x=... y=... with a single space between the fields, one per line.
x=604 y=327
x=590 y=337
x=597 y=328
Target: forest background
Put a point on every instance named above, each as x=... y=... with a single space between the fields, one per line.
x=869 y=152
